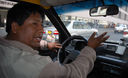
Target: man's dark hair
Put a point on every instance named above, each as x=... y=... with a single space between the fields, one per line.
x=20 y=12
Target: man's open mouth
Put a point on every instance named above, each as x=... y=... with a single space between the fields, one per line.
x=38 y=39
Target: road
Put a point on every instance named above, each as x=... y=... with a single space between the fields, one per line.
x=113 y=36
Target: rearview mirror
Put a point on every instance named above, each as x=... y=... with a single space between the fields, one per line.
x=104 y=10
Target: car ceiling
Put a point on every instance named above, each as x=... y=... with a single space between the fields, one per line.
x=57 y=2
x=54 y=2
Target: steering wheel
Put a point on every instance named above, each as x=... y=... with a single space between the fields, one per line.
x=71 y=48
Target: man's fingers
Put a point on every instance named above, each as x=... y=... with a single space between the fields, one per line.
x=58 y=45
x=93 y=35
x=105 y=38
x=101 y=36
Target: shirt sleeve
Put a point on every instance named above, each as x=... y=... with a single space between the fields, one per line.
x=77 y=69
x=43 y=44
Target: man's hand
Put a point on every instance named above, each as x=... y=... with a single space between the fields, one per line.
x=94 y=42
x=54 y=45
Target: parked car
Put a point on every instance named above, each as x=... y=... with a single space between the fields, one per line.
x=80 y=28
x=125 y=34
x=120 y=28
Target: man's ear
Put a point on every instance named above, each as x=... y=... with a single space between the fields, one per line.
x=15 y=27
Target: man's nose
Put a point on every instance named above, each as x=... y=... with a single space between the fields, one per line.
x=40 y=28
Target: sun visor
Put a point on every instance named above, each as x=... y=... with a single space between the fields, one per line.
x=57 y=2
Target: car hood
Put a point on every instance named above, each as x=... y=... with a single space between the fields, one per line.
x=95 y=30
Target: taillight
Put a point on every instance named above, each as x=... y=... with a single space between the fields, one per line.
x=125 y=33
x=56 y=32
x=43 y=32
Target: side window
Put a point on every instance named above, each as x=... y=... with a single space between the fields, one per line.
x=84 y=25
x=50 y=33
x=87 y=26
x=75 y=25
x=81 y=25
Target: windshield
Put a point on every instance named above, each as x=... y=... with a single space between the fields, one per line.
x=80 y=12
x=76 y=18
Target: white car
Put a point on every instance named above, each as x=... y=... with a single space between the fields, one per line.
x=80 y=28
x=120 y=28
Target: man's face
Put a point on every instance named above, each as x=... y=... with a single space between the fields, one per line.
x=31 y=31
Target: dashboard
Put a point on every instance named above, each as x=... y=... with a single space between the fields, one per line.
x=111 y=62
x=115 y=48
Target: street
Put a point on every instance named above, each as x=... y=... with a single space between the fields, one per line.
x=113 y=36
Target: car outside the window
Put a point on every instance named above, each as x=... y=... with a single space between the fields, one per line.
x=120 y=28
x=125 y=34
x=80 y=28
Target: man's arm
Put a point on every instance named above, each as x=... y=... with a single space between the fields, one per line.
x=80 y=67
x=77 y=69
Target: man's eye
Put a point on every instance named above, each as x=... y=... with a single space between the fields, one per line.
x=35 y=23
x=42 y=24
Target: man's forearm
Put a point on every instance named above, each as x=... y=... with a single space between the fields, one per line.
x=77 y=69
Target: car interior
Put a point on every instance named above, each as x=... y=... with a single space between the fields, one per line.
x=112 y=56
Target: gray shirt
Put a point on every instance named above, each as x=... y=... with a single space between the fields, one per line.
x=21 y=61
